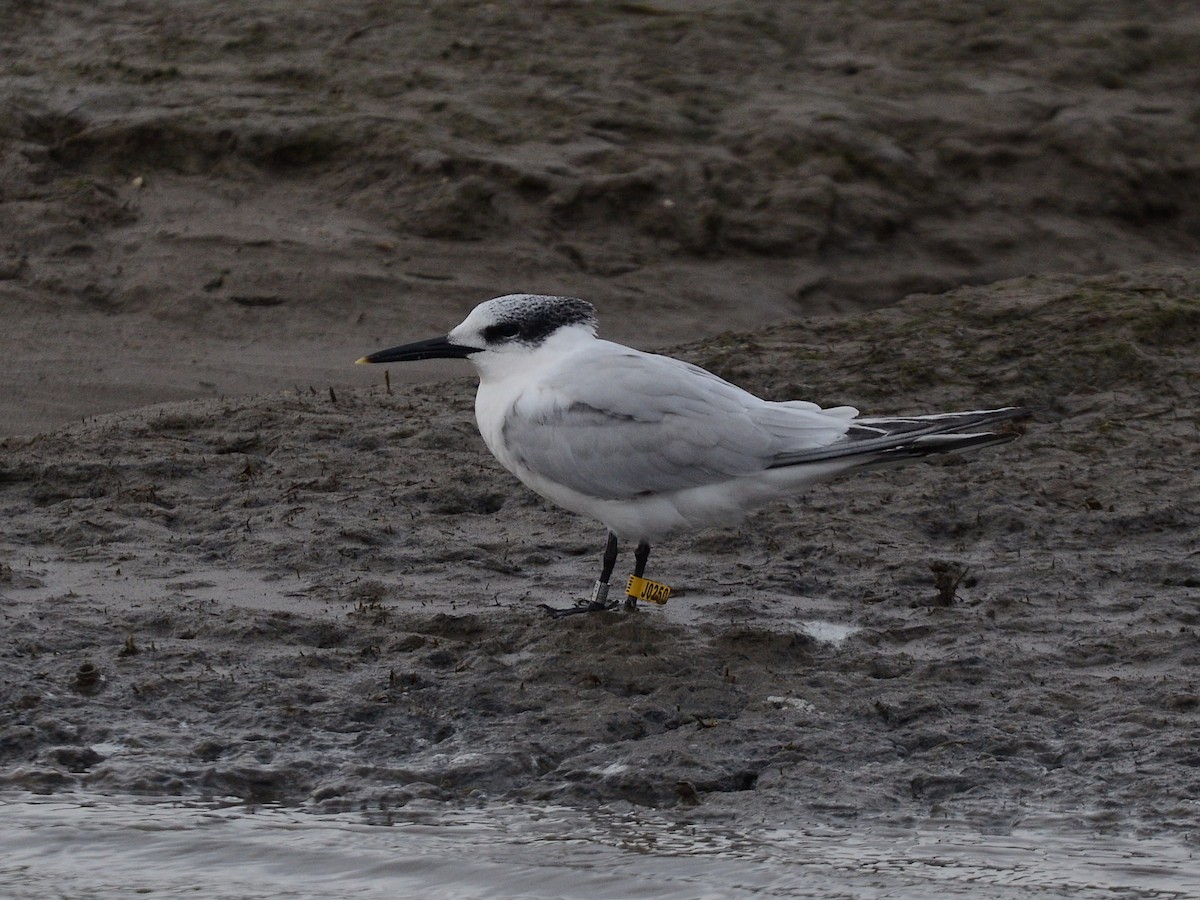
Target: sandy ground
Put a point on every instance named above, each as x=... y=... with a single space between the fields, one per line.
x=272 y=590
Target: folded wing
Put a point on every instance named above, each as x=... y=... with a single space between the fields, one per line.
x=643 y=424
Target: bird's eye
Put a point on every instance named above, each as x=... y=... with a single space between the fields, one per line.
x=501 y=332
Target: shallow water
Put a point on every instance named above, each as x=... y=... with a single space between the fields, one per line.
x=106 y=847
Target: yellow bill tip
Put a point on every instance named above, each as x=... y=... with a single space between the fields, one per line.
x=363 y=361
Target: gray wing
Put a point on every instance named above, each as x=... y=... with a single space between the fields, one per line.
x=620 y=423
x=899 y=438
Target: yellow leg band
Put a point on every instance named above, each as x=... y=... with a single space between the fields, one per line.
x=650 y=591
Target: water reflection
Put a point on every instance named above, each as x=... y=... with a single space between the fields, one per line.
x=71 y=845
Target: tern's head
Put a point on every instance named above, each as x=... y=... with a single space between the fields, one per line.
x=504 y=328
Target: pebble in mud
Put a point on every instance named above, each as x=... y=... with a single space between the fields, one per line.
x=87 y=679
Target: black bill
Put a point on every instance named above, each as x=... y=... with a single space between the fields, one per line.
x=433 y=348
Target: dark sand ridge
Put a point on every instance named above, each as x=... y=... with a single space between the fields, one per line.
x=333 y=603
x=218 y=198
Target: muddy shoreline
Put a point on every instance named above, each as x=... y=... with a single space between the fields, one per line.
x=233 y=565
x=333 y=604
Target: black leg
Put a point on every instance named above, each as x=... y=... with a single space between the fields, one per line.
x=639 y=569
x=610 y=558
x=599 y=601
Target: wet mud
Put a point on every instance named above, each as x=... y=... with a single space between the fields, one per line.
x=331 y=599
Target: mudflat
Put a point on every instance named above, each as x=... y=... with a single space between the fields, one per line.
x=333 y=600
x=233 y=565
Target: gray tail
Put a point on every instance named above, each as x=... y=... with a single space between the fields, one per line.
x=884 y=441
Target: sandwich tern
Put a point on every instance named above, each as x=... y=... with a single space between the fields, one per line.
x=650 y=445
